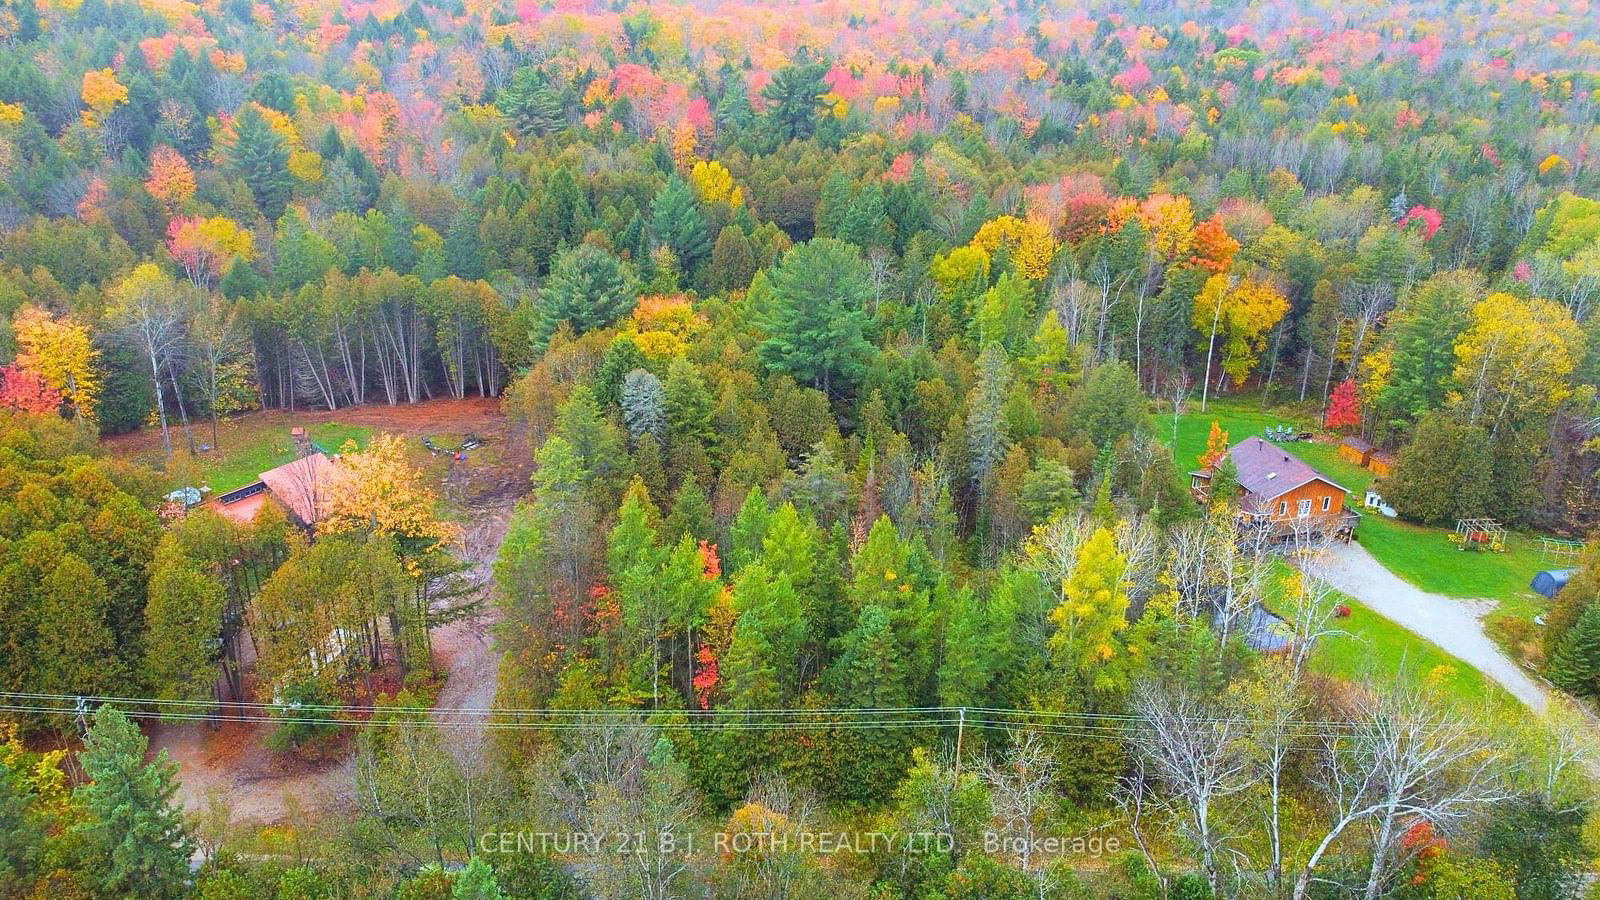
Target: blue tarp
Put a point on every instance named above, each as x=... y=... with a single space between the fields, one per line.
x=1548 y=583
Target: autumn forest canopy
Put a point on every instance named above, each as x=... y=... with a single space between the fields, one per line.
x=861 y=379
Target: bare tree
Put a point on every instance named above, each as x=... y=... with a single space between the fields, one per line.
x=618 y=777
x=1197 y=754
x=880 y=271
x=1396 y=762
x=1314 y=603
x=1020 y=790
x=217 y=341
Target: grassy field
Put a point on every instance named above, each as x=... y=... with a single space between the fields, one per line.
x=247 y=452
x=1368 y=645
x=1373 y=645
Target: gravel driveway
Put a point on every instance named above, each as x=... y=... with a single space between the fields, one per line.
x=1445 y=621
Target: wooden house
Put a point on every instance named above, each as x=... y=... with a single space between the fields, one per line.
x=1281 y=494
x=1355 y=450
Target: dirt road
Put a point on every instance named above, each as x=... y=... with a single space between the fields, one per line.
x=1450 y=623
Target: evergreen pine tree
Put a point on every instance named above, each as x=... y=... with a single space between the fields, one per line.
x=691 y=511
x=677 y=222
x=261 y=158
x=476 y=882
x=587 y=287
x=1575 y=667
x=817 y=323
x=531 y=104
x=183 y=619
x=133 y=823
x=748 y=530
x=733 y=261
x=866 y=221
x=833 y=204
x=988 y=441
x=463 y=249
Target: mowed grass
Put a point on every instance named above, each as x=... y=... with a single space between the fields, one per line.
x=247 y=452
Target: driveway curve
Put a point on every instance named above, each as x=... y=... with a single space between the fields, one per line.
x=1441 y=620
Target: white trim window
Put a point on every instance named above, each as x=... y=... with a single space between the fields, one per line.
x=1327 y=502
x=1283 y=507
x=1305 y=508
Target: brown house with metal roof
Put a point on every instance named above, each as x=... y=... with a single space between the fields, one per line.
x=1278 y=491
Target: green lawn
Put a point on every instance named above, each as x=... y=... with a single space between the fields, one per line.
x=244 y=455
x=1368 y=645
x=1373 y=645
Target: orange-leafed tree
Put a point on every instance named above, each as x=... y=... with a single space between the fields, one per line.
x=61 y=353
x=1216 y=446
x=1213 y=246
x=206 y=246
x=171 y=180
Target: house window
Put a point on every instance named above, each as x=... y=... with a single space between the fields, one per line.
x=1283 y=507
x=1305 y=508
x=1326 y=502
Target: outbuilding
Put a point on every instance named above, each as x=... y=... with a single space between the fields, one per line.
x=1550 y=582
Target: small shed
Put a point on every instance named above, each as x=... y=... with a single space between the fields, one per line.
x=1355 y=450
x=1381 y=463
x=1550 y=582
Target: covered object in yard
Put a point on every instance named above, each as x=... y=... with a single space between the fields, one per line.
x=1550 y=582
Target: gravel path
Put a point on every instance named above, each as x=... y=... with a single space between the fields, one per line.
x=1446 y=621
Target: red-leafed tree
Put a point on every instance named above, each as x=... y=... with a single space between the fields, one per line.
x=25 y=391
x=706 y=676
x=1344 y=406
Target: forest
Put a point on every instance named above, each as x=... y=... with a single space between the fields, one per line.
x=867 y=374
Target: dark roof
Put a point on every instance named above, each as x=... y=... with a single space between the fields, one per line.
x=1268 y=470
x=1263 y=630
x=1356 y=443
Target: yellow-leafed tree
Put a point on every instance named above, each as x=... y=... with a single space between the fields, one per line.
x=1031 y=244
x=378 y=491
x=60 y=352
x=1093 y=614
x=1240 y=314
x=1516 y=358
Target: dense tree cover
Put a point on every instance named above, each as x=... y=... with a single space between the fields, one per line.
x=833 y=328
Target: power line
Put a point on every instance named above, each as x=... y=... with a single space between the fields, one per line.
x=530 y=719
